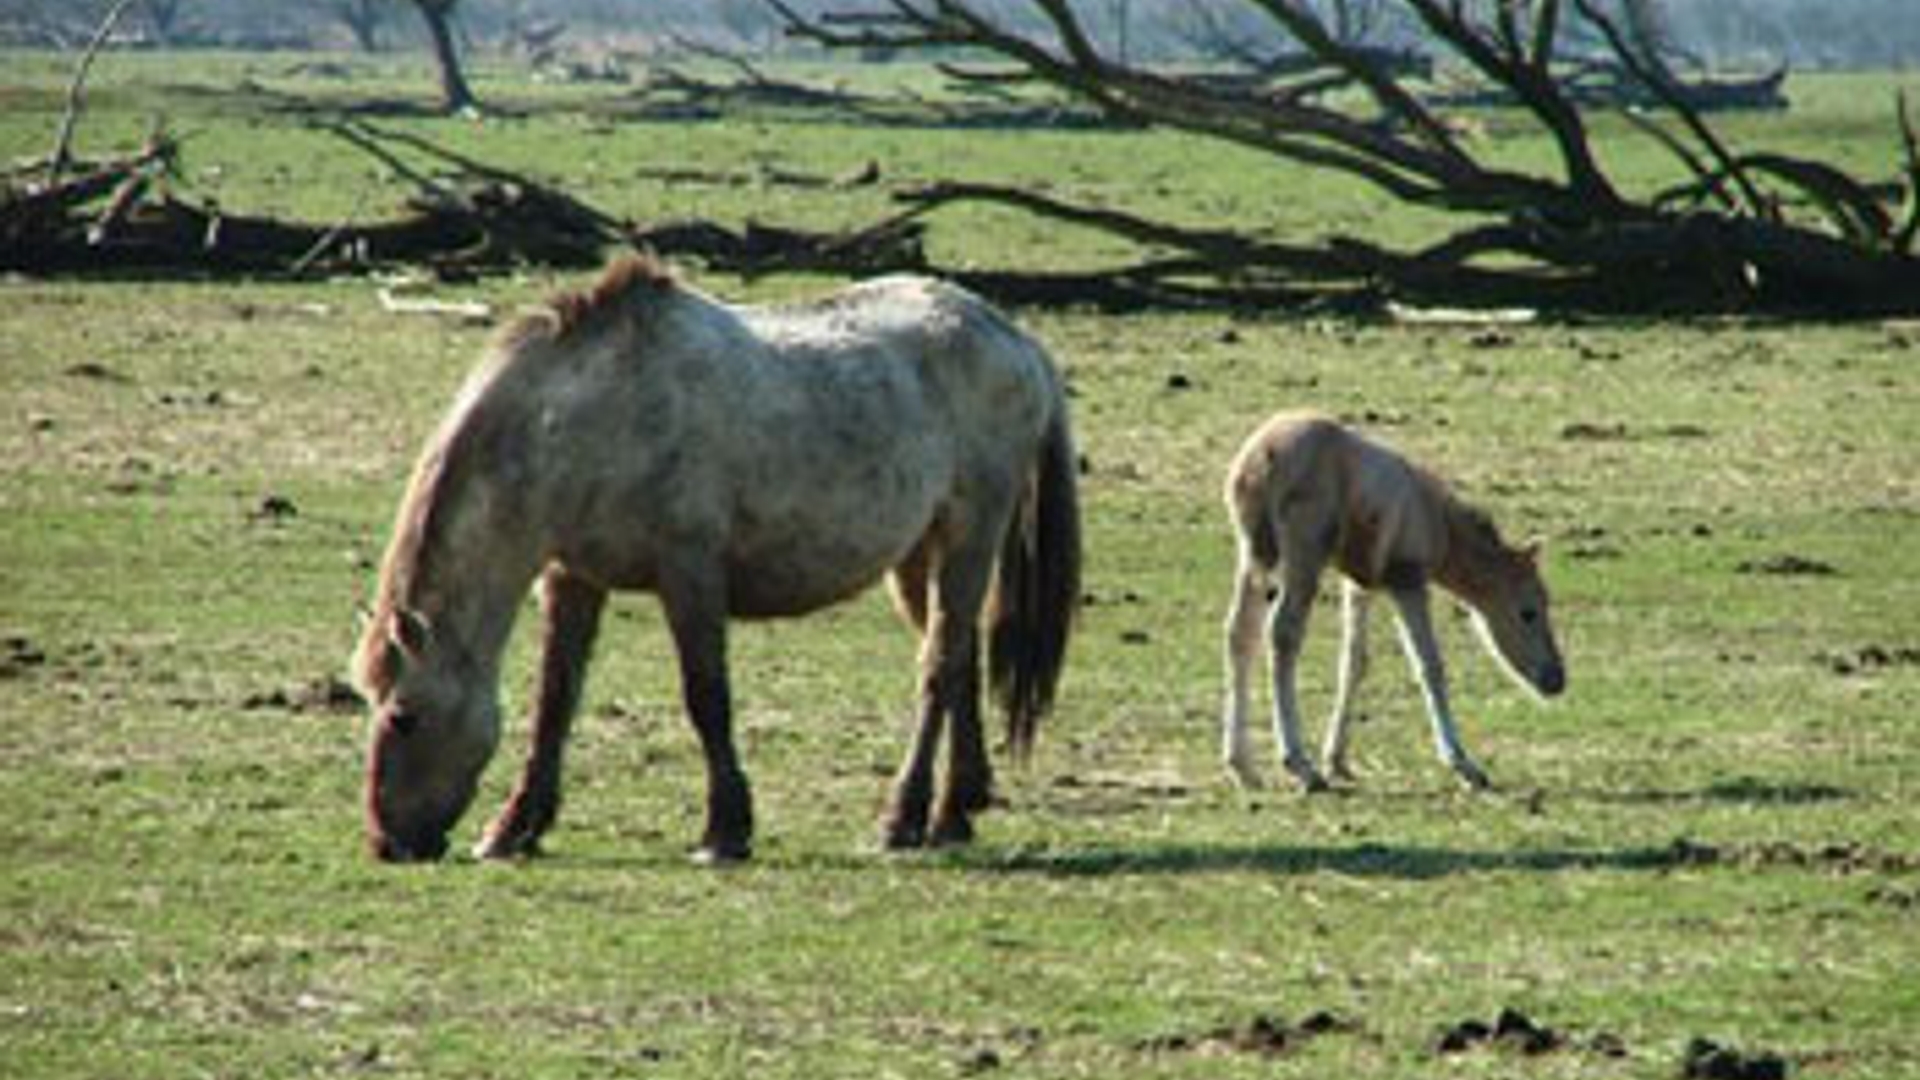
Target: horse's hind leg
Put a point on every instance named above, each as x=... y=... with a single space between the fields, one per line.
x=1245 y=614
x=1423 y=649
x=949 y=694
x=1354 y=602
x=958 y=599
x=570 y=609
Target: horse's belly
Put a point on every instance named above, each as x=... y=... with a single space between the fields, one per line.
x=796 y=582
x=826 y=551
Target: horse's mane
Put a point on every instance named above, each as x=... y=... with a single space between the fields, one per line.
x=565 y=317
x=569 y=314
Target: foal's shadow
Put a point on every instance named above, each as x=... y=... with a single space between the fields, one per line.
x=1392 y=861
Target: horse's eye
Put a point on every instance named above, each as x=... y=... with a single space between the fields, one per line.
x=1529 y=616
x=402 y=723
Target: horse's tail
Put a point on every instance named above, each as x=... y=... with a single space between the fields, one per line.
x=1037 y=588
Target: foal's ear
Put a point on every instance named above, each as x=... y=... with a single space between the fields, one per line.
x=409 y=632
x=1533 y=550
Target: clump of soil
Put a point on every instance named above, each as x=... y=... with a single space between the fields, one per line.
x=19 y=655
x=1708 y=1060
x=1869 y=658
x=1512 y=1030
x=1265 y=1035
x=327 y=694
x=1788 y=565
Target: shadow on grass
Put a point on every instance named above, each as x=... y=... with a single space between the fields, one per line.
x=1405 y=863
x=1744 y=790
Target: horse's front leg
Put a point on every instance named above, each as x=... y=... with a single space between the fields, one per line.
x=1423 y=649
x=696 y=615
x=1244 y=617
x=570 y=610
x=1354 y=602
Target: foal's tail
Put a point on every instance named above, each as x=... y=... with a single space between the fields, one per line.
x=1037 y=588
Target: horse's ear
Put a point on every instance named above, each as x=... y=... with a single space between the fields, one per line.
x=1533 y=550
x=409 y=632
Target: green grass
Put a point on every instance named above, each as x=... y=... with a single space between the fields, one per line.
x=1712 y=835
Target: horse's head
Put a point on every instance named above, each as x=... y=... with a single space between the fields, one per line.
x=435 y=724
x=1513 y=618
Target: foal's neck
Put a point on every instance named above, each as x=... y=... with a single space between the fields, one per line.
x=1467 y=567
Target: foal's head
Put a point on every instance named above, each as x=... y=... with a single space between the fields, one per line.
x=435 y=725
x=1509 y=602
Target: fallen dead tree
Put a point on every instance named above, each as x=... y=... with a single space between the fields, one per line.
x=1738 y=231
x=126 y=215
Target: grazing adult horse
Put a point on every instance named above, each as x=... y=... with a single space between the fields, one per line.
x=739 y=462
x=1306 y=491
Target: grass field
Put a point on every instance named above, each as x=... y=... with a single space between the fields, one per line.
x=1713 y=835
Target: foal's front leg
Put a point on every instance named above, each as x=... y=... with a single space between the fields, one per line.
x=570 y=609
x=1423 y=649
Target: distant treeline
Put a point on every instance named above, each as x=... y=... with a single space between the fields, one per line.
x=1805 y=34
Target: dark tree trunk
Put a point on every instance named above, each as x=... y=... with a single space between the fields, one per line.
x=455 y=95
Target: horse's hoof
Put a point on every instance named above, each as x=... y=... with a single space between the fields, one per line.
x=954 y=831
x=507 y=844
x=895 y=836
x=722 y=854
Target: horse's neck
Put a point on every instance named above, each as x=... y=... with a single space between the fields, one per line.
x=473 y=566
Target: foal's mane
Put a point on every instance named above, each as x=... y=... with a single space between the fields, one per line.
x=565 y=318
x=1480 y=558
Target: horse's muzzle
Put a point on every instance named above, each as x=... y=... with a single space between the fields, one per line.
x=1553 y=680
x=392 y=849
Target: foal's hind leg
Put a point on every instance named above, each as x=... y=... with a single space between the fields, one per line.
x=1354 y=602
x=571 y=611
x=1286 y=632
x=1244 y=617
x=1416 y=631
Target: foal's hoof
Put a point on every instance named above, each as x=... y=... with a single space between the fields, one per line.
x=1308 y=777
x=1472 y=777
x=1243 y=774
